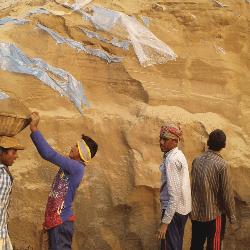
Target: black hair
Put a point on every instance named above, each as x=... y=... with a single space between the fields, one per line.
x=216 y=140
x=91 y=144
x=4 y=150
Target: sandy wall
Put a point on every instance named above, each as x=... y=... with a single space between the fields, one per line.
x=206 y=88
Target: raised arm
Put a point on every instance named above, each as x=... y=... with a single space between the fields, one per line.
x=48 y=153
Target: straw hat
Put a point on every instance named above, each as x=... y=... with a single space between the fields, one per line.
x=10 y=142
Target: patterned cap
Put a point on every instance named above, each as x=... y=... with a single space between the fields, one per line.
x=171 y=131
x=10 y=142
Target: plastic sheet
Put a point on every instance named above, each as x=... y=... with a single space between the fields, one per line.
x=145 y=20
x=76 y=7
x=80 y=46
x=148 y=48
x=221 y=49
x=222 y=5
x=114 y=41
x=74 y=44
x=14 y=60
x=3 y=96
x=16 y=21
x=37 y=11
x=6 y=20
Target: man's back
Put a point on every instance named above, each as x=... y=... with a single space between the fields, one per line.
x=212 y=191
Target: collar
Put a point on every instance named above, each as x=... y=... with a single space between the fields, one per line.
x=2 y=165
x=7 y=171
x=214 y=152
x=166 y=154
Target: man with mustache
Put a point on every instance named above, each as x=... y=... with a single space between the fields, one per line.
x=175 y=196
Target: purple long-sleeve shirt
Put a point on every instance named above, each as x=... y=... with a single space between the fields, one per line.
x=65 y=184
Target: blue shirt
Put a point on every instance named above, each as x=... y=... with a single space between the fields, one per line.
x=65 y=184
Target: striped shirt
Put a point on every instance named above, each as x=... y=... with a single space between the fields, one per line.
x=212 y=190
x=175 y=189
x=5 y=188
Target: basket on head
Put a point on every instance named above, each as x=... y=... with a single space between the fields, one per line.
x=14 y=117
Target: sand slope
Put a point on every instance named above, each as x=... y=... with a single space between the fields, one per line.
x=206 y=88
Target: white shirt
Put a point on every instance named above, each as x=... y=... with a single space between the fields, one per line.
x=175 y=189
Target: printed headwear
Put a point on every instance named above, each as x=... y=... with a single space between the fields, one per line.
x=84 y=150
x=10 y=142
x=171 y=131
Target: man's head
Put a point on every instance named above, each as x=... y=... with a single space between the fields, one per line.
x=84 y=150
x=169 y=137
x=216 y=140
x=8 y=150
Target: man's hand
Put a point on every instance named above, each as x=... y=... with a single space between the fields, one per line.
x=160 y=235
x=34 y=121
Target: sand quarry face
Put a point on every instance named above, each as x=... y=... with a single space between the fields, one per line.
x=207 y=87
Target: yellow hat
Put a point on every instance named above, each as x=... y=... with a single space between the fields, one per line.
x=10 y=142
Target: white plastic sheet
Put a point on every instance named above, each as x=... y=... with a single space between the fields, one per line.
x=38 y=11
x=145 y=20
x=3 y=96
x=14 y=60
x=148 y=48
x=222 y=5
x=114 y=41
x=72 y=43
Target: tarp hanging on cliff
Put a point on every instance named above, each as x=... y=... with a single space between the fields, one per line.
x=14 y=60
x=72 y=43
x=2 y=95
x=114 y=41
x=148 y=48
x=221 y=4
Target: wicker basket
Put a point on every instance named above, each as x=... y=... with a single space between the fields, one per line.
x=10 y=124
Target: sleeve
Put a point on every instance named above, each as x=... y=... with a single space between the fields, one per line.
x=227 y=193
x=174 y=189
x=49 y=154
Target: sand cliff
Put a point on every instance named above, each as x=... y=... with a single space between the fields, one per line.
x=205 y=88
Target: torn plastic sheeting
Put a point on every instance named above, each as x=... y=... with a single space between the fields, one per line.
x=80 y=46
x=37 y=11
x=72 y=43
x=75 y=7
x=13 y=60
x=222 y=50
x=248 y=1
x=222 y=5
x=114 y=41
x=3 y=96
x=145 y=20
x=16 y=21
x=6 y=20
x=148 y=48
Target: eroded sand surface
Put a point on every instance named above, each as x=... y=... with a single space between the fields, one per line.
x=205 y=88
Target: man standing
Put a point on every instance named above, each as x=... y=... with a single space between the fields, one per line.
x=212 y=195
x=175 y=191
x=8 y=154
x=59 y=216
